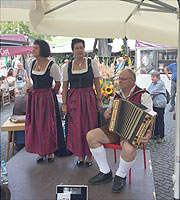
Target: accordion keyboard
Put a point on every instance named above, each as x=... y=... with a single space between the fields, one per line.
x=129 y=121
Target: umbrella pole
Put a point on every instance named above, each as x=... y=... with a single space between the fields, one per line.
x=177 y=132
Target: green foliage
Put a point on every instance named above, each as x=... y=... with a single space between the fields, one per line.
x=20 y=28
x=59 y=59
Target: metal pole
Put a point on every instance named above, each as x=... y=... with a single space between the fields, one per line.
x=177 y=132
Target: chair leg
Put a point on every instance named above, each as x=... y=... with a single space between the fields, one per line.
x=12 y=148
x=144 y=153
x=7 y=146
x=115 y=160
x=130 y=176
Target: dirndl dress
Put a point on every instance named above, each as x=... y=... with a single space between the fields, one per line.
x=43 y=126
x=82 y=110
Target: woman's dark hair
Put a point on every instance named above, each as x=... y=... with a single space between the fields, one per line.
x=10 y=72
x=75 y=41
x=44 y=48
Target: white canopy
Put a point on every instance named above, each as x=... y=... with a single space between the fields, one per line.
x=154 y=21
x=98 y=19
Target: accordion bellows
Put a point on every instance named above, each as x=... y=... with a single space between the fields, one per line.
x=130 y=121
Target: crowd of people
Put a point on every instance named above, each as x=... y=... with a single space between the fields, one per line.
x=84 y=137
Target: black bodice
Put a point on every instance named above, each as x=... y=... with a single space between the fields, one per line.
x=83 y=80
x=42 y=81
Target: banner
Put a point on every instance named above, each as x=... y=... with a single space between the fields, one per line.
x=12 y=51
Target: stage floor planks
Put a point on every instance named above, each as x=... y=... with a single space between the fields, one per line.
x=31 y=181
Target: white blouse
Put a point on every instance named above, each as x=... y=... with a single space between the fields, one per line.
x=94 y=65
x=55 y=72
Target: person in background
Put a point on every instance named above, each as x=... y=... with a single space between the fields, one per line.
x=10 y=78
x=173 y=68
x=99 y=136
x=43 y=127
x=120 y=64
x=157 y=90
x=21 y=76
x=3 y=71
x=80 y=103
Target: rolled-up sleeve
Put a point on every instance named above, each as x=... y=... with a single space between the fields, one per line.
x=95 y=69
x=65 y=73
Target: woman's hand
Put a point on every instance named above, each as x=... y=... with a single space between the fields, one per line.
x=169 y=77
x=64 y=108
x=99 y=105
x=145 y=139
x=107 y=114
x=174 y=116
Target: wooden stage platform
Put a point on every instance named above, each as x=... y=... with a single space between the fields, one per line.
x=31 y=181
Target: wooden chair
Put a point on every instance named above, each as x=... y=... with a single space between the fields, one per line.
x=118 y=147
x=12 y=91
x=5 y=96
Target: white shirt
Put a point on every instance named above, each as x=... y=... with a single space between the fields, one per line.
x=94 y=68
x=55 y=72
x=146 y=99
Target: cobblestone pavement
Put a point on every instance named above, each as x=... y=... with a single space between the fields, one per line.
x=162 y=155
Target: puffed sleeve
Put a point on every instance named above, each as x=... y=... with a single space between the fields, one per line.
x=55 y=72
x=95 y=68
x=65 y=73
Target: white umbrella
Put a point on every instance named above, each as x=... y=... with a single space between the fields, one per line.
x=154 y=21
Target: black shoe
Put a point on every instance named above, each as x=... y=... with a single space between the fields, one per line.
x=80 y=163
x=89 y=164
x=100 y=178
x=63 y=153
x=40 y=159
x=50 y=160
x=118 y=184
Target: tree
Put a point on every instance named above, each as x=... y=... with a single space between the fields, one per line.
x=20 y=28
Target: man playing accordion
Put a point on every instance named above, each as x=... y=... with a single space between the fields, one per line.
x=99 y=136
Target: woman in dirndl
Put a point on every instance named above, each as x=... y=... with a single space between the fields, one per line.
x=80 y=103
x=43 y=128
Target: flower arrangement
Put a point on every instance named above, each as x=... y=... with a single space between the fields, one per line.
x=109 y=82
x=109 y=77
x=108 y=91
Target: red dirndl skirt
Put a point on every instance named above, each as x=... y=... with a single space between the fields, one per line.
x=40 y=125
x=82 y=117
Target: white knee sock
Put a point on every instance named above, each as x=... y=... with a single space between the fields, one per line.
x=124 y=167
x=99 y=155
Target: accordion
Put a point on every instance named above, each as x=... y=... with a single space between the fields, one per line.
x=130 y=121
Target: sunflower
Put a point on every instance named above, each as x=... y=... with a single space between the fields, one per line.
x=108 y=90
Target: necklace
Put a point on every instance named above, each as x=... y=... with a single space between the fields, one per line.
x=39 y=65
x=80 y=64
